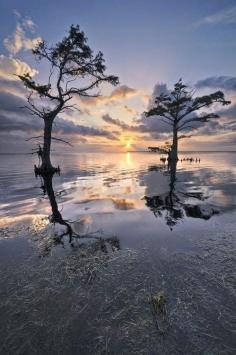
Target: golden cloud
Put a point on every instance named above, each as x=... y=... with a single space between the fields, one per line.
x=10 y=68
x=118 y=94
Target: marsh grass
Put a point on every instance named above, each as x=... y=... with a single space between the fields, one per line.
x=96 y=299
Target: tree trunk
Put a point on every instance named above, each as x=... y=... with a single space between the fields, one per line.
x=173 y=173
x=174 y=152
x=46 y=167
x=173 y=155
x=56 y=215
x=48 y=186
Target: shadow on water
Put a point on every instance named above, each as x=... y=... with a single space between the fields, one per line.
x=173 y=205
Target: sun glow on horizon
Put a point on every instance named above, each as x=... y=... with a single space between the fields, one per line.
x=127 y=142
x=128 y=145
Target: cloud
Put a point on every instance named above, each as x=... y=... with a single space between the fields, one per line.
x=108 y=119
x=14 y=87
x=130 y=110
x=157 y=129
x=230 y=140
x=228 y=118
x=148 y=125
x=143 y=124
x=15 y=118
x=211 y=128
x=122 y=92
x=11 y=103
x=159 y=88
x=119 y=93
x=21 y=39
x=11 y=67
x=153 y=126
x=226 y=123
x=218 y=82
x=226 y=16
x=214 y=126
x=69 y=127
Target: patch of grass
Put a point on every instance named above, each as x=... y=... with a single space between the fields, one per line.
x=159 y=302
x=159 y=311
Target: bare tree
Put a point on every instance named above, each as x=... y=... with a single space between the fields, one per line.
x=74 y=70
x=178 y=109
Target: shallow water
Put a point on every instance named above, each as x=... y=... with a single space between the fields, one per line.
x=115 y=185
x=177 y=240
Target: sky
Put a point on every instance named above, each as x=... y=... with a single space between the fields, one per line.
x=148 y=44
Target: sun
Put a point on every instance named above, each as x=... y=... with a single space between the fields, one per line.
x=126 y=142
x=128 y=145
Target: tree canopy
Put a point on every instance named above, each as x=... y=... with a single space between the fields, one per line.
x=178 y=108
x=70 y=59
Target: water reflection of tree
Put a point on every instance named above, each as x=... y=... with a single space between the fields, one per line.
x=173 y=205
x=103 y=244
x=56 y=217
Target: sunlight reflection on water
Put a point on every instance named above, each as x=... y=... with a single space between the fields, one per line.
x=110 y=188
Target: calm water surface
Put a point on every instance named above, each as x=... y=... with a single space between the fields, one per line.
x=177 y=239
x=110 y=188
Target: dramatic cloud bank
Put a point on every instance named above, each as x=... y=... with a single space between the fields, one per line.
x=156 y=128
x=14 y=117
x=218 y=82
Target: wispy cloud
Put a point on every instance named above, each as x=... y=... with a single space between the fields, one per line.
x=22 y=38
x=225 y=16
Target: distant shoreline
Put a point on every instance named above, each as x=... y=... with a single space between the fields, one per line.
x=131 y=151
x=186 y=151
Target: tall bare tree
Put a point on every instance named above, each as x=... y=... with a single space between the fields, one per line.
x=74 y=70
x=179 y=110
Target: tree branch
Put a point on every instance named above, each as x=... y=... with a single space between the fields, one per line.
x=62 y=140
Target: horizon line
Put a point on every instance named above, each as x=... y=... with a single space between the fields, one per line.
x=128 y=151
